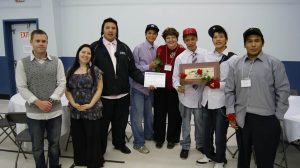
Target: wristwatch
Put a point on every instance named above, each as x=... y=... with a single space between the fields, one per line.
x=52 y=101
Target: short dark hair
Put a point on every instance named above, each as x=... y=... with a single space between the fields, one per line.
x=170 y=31
x=112 y=21
x=37 y=31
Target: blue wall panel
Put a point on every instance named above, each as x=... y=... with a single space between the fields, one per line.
x=292 y=70
x=4 y=78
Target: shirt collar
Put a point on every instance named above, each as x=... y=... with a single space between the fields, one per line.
x=32 y=57
x=260 y=57
x=106 y=42
x=191 y=52
x=225 y=52
x=148 y=45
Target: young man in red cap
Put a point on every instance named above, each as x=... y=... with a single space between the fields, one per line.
x=257 y=91
x=190 y=95
x=213 y=102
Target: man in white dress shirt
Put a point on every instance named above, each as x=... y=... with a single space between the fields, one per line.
x=40 y=80
x=213 y=102
x=189 y=95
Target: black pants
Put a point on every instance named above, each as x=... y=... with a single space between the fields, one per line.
x=166 y=102
x=262 y=133
x=86 y=142
x=115 y=111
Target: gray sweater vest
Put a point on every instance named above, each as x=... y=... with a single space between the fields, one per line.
x=41 y=81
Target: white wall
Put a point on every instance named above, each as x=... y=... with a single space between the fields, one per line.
x=80 y=21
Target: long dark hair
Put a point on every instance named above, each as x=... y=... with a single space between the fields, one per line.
x=76 y=65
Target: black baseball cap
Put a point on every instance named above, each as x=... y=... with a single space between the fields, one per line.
x=216 y=28
x=253 y=31
x=152 y=27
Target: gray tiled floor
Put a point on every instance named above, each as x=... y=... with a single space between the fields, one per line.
x=157 y=158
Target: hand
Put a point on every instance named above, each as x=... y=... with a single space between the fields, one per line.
x=181 y=89
x=213 y=84
x=85 y=107
x=152 y=66
x=43 y=105
x=76 y=105
x=233 y=124
x=151 y=87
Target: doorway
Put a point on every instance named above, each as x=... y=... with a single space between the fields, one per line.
x=17 y=45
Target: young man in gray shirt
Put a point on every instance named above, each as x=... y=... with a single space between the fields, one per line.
x=257 y=91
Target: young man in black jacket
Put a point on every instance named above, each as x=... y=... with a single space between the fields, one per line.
x=116 y=61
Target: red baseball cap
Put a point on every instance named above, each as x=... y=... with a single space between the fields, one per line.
x=189 y=31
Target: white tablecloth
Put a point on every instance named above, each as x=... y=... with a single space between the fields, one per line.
x=17 y=104
x=292 y=119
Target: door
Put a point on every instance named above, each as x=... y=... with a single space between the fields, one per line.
x=21 y=40
x=17 y=46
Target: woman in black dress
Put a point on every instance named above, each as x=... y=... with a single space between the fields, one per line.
x=84 y=88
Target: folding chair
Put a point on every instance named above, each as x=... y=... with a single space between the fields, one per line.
x=232 y=153
x=4 y=125
x=23 y=136
x=283 y=162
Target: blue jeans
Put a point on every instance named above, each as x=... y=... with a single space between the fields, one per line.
x=37 y=130
x=215 y=121
x=141 y=108
x=186 y=114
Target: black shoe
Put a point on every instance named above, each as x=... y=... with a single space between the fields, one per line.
x=124 y=149
x=184 y=154
x=170 y=145
x=159 y=145
x=200 y=149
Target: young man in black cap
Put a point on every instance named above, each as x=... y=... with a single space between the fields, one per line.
x=116 y=61
x=213 y=101
x=141 y=97
x=257 y=91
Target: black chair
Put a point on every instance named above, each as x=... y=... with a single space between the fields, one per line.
x=283 y=161
x=23 y=136
x=6 y=133
x=232 y=153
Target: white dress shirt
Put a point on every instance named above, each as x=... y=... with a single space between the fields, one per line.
x=191 y=98
x=216 y=97
x=21 y=82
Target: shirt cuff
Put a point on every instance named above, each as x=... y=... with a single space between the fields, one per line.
x=230 y=110
x=32 y=99
x=55 y=97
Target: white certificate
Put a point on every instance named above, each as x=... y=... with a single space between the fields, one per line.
x=155 y=79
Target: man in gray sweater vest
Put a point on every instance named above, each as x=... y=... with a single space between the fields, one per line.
x=41 y=82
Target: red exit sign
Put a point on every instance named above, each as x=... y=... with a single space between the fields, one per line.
x=24 y=34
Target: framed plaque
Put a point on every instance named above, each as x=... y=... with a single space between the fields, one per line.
x=199 y=73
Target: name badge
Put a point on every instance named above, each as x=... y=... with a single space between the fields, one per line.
x=246 y=83
x=168 y=67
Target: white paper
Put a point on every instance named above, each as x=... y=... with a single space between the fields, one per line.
x=155 y=79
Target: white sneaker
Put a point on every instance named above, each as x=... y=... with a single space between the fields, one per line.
x=204 y=160
x=219 y=165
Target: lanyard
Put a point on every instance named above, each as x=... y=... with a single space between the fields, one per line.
x=252 y=62
x=171 y=56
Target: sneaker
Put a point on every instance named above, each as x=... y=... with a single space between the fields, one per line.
x=170 y=145
x=141 y=149
x=184 y=154
x=204 y=160
x=219 y=165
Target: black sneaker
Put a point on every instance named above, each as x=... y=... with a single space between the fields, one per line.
x=184 y=154
x=124 y=149
x=170 y=145
x=159 y=145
